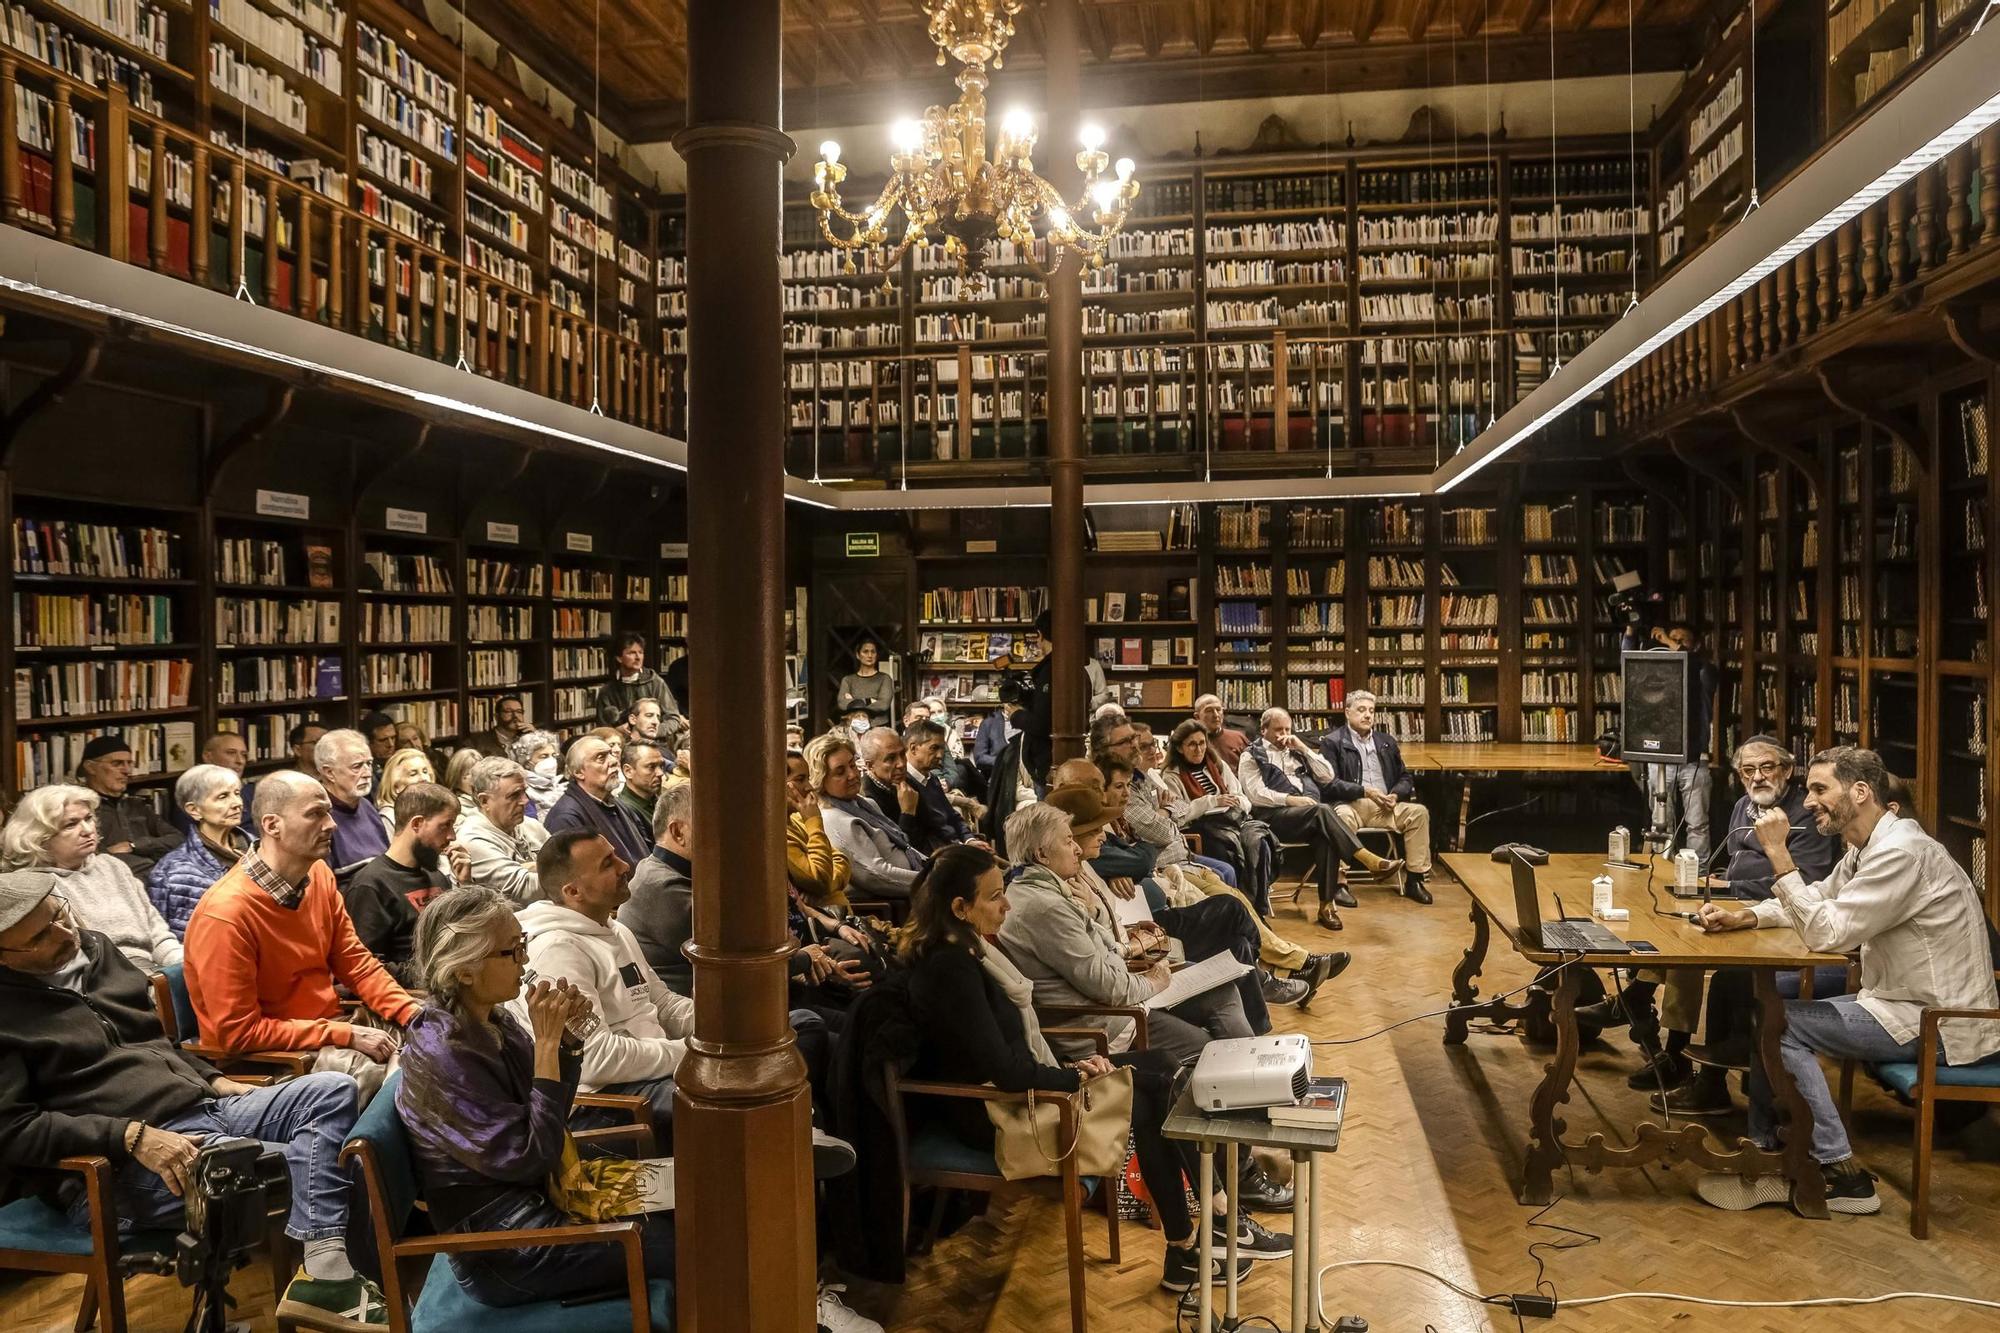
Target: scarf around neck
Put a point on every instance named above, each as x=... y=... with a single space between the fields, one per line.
x=1021 y=992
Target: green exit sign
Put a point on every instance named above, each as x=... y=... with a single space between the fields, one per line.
x=864 y=545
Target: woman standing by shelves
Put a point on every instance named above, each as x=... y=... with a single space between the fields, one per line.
x=867 y=688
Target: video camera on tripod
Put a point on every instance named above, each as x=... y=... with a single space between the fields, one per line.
x=225 y=1215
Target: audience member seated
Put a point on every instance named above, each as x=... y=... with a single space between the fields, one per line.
x=211 y=799
x=510 y=723
x=385 y=896
x=660 y=913
x=1226 y=741
x=410 y=736
x=1899 y=898
x=304 y=740
x=539 y=754
x=378 y=729
x=1204 y=798
x=490 y=1075
x=128 y=826
x=225 y=749
x=55 y=828
x=998 y=728
x=348 y=773
x=406 y=768
x=588 y=805
x=458 y=778
x=1151 y=801
x=939 y=822
x=649 y=722
x=885 y=780
x=1062 y=934
x=976 y=1016
x=574 y=936
x=881 y=858
x=501 y=842
x=268 y=943
x=643 y=767
x=815 y=868
x=632 y=680
x=1770 y=781
x=1283 y=777
x=101 y=1078
x=1372 y=789
x=867 y=690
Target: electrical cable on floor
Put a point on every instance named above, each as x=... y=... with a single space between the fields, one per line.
x=1439 y=1013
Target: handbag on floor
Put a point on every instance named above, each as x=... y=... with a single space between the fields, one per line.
x=1027 y=1136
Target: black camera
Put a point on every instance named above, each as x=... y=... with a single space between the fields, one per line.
x=225 y=1212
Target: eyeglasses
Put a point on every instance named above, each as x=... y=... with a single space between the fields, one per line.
x=519 y=953
x=60 y=920
x=1769 y=768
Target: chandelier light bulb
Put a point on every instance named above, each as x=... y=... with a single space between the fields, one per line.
x=907 y=135
x=1106 y=194
x=1018 y=124
x=829 y=151
x=1125 y=168
x=1092 y=137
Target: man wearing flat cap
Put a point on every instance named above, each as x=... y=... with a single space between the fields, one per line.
x=128 y=827
x=86 y=1070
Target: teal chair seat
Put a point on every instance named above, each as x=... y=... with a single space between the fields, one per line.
x=935 y=1148
x=1901 y=1075
x=30 y=1224
x=445 y=1307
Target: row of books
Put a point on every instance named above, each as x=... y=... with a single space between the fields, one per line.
x=52 y=756
x=991 y=605
x=397 y=673
x=1333 y=580
x=267 y=680
x=576 y=663
x=486 y=624
x=493 y=667
x=1131 y=651
x=263 y=620
x=80 y=689
x=125 y=620
x=408 y=573
x=950 y=649
x=502 y=578
x=95 y=550
x=400 y=623
x=575 y=622
x=591 y=585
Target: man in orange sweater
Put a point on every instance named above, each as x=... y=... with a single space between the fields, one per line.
x=268 y=942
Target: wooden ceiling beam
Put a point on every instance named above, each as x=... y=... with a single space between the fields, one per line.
x=1308 y=21
x=1420 y=19
x=1368 y=14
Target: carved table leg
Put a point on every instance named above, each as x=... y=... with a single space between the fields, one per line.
x=1545 y=1146
x=1464 y=991
x=1794 y=1116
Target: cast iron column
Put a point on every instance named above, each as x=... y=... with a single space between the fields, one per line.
x=742 y=1128
x=1066 y=682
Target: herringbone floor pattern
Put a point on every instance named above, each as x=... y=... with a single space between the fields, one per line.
x=1432 y=1137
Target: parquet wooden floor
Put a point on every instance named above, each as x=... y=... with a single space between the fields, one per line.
x=1432 y=1136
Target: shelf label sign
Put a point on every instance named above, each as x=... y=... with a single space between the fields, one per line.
x=407 y=520
x=864 y=545
x=579 y=541
x=673 y=550
x=987 y=547
x=509 y=533
x=284 y=504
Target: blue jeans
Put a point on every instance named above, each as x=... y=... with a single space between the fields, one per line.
x=307 y=1119
x=1839 y=1027
x=1223 y=870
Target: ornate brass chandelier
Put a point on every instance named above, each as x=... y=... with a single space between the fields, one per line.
x=946 y=186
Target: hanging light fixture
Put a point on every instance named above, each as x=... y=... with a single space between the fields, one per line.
x=947 y=188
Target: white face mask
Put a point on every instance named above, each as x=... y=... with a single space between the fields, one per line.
x=546 y=766
x=859 y=726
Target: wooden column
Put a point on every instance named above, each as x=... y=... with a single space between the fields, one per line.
x=114 y=187
x=1066 y=679
x=742 y=1111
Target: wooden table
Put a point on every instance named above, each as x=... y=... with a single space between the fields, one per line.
x=1682 y=944
x=1471 y=758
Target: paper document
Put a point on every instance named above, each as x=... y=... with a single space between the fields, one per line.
x=656 y=1185
x=1133 y=911
x=1215 y=970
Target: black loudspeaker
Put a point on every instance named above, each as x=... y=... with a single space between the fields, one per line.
x=1657 y=722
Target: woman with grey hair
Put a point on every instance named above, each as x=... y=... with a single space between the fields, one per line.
x=212 y=797
x=458 y=777
x=539 y=753
x=486 y=1105
x=55 y=828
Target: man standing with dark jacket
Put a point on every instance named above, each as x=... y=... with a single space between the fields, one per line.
x=632 y=680
x=1372 y=789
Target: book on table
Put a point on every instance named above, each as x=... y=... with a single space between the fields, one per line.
x=1322 y=1105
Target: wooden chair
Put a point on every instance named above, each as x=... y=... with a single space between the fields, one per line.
x=1927 y=1082
x=423 y=1296
x=36 y=1238
x=176 y=1013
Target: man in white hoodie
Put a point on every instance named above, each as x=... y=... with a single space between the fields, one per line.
x=573 y=935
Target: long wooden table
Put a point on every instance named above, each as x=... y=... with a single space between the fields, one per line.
x=1472 y=758
x=1490 y=885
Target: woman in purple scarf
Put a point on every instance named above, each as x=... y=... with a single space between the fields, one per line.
x=486 y=1106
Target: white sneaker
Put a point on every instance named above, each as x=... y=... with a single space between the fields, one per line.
x=835 y=1317
x=1721 y=1189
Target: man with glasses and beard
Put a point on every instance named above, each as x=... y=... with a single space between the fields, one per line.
x=1770 y=782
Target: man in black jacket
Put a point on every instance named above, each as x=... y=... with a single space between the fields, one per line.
x=85 y=1069
x=1372 y=789
x=885 y=780
x=386 y=894
x=128 y=827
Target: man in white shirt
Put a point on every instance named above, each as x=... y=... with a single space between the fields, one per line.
x=1283 y=777
x=1897 y=897
x=500 y=840
x=1373 y=789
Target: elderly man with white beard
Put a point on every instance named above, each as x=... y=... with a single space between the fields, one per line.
x=1770 y=780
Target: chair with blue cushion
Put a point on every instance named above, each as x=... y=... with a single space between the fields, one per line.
x=36 y=1238
x=1926 y=1082
x=175 y=1009
x=380 y=1148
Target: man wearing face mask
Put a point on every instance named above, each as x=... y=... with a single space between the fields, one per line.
x=383 y=899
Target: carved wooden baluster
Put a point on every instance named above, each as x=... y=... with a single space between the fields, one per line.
x=439 y=281
x=1781 y=303
x=1823 y=286
x=239 y=218
x=305 y=298
x=64 y=166
x=392 y=294
x=113 y=129
x=1802 y=288
x=336 y=271
x=10 y=142
x=1926 y=234
x=1846 y=241
x=156 y=202
x=1704 y=341
x=1732 y=340
x=1958 y=187
x=538 y=320
x=1989 y=186
x=273 y=234
x=1896 y=248
x=1871 y=251
x=201 y=222
x=1767 y=315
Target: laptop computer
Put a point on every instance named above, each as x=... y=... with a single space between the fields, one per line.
x=1567 y=935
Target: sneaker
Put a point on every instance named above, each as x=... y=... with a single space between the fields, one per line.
x=1707 y=1093
x=1183 y=1261
x=1724 y=1189
x=1254 y=1239
x=1285 y=990
x=831 y=1156
x=1259 y=1191
x=316 y=1303
x=835 y=1317
x=1851 y=1190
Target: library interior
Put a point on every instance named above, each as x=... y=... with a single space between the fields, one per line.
x=573 y=561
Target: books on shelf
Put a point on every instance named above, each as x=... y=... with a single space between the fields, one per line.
x=984 y=605
x=260 y=621
x=85 y=688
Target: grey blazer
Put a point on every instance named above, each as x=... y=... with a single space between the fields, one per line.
x=1069 y=956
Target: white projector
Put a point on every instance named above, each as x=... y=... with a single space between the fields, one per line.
x=1245 y=1072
